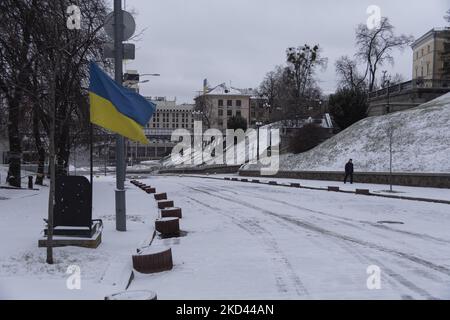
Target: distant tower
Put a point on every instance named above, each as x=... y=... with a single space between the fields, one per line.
x=205 y=86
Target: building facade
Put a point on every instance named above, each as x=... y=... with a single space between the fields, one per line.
x=427 y=56
x=222 y=102
x=169 y=116
x=428 y=78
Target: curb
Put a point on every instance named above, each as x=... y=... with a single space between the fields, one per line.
x=293 y=185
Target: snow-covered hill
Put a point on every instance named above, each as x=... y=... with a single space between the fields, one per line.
x=421 y=143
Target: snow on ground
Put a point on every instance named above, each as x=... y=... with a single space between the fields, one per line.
x=263 y=242
x=421 y=143
x=248 y=241
x=243 y=241
x=105 y=270
x=382 y=189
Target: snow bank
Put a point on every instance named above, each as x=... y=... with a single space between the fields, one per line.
x=421 y=143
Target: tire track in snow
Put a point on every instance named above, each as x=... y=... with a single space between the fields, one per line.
x=348 y=221
x=312 y=227
x=394 y=277
x=282 y=266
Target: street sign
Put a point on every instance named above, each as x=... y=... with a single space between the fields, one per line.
x=128 y=22
x=128 y=51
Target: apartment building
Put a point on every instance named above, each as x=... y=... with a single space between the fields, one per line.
x=427 y=56
x=222 y=102
x=168 y=117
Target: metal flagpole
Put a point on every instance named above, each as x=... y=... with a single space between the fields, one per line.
x=91 y=156
x=120 y=161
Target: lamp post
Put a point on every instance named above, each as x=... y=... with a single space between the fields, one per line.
x=121 y=219
x=387 y=84
x=258 y=125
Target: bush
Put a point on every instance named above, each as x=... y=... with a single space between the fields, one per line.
x=307 y=137
x=237 y=122
x=348 y=106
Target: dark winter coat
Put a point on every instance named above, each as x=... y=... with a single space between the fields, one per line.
x=349 y=168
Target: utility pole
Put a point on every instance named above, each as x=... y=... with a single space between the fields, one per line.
x=121 y=220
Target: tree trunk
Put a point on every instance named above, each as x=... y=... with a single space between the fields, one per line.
x=63 y=151
x=39 y=147
x=15 y=149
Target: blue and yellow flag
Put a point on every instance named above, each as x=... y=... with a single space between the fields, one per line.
x=116 y=108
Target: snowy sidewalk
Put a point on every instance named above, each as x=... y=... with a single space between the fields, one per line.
x=105 y=270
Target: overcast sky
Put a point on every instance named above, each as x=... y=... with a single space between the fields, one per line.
x=239 y=41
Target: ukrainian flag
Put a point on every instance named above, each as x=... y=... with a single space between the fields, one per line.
x=116 y=108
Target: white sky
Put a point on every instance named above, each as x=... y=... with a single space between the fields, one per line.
x=239 y=41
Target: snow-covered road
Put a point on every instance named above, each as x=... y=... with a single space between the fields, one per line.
x=250 y=241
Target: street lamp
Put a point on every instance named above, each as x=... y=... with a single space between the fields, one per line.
x=198 y=113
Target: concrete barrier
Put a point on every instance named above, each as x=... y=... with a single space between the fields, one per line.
x=431 y=180
x=202 y=170
x=362 y=191
x=333 y=188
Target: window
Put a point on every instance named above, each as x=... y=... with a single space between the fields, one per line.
x=229 y=113
x=229 y=103
x=422 y=52
x=220 y=103
x=220 y=112
x=417 y=55
x=428 y=68
x=220 y=122
x=429 y=49
x=238 y=103
x=238 y=113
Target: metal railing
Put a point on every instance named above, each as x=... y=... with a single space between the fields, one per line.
x=411 y=85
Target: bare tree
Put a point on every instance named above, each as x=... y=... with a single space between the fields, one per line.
x=204 y=109
x=348 y=74
x=292 y=90
x=302 y=62
x=375 y=47
x=16 y=54
x=269 y=87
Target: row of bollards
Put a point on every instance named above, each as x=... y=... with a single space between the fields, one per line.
x=298 y=185
x=159 y=258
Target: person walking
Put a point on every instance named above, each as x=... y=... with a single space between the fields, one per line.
x=349 y=171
